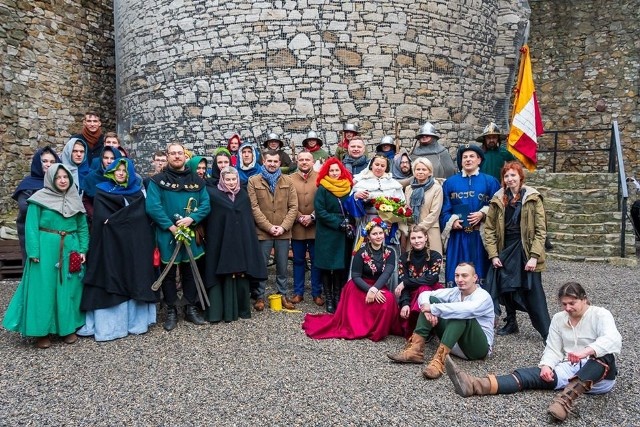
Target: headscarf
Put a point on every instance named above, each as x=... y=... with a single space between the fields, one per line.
x=79 y=172
x=66 y=203
x=222 y=186
x=396 y=173
x=96 y=176
x=215 y=170
x=338 y=187
x=193 y=163
x=234 y=154
x=132 y=185
x=35 y=180
x=245 y=172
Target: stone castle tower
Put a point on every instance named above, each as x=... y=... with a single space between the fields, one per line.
x=199 y=71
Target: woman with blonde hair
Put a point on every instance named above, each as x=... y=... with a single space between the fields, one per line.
x=424 y=197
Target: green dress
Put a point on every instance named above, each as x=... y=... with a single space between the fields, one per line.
x=47 y=301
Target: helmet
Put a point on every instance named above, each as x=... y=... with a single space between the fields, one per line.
x=427 y=129
x=311 y=135
x=386 y=140
x=272 y=137
x=350 y=127
x=491 y=129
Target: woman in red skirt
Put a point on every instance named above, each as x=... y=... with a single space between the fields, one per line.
x=367 y=308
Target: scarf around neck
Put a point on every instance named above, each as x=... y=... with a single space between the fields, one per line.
x=417 y=196
x=337 y=187
x=91 y=138
x=350 y=163
x=271 y=178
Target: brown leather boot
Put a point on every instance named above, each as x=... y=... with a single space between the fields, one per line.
x=435 y=368
x=562 y=404
x=466 y=385
x=413 y=351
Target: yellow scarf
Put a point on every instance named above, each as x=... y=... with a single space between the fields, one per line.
x=338 y=187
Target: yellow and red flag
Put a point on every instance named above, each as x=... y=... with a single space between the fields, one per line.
x=526 y=121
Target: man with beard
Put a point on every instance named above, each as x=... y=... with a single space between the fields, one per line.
x=176 y=197
x=495 y=155
x=303 y=234
x=274 y=203
x=430 y=147
x=91 y=135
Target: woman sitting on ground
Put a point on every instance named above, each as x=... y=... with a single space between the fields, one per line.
x=418 y=271
x=579 y=357
x=367 y=307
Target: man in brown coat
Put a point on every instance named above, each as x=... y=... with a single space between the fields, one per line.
x=275 y=208
x=303 y=235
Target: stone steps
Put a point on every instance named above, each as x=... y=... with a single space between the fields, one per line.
x=583 y=218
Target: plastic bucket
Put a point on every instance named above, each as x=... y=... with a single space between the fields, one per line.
x=275 y=302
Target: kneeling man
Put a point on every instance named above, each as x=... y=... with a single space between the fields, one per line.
x=461 y=317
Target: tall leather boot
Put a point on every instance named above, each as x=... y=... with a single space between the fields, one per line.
x=172 y=318
x=327 y=288
x=511 y=327
x=191 y=314
x=562 y=404
x=435 y=368
x=467 y=385
x=413 y=351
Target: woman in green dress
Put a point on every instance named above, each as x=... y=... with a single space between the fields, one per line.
x=47 y=301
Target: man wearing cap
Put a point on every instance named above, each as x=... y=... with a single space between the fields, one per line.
x=466 y=197
x=495 y=155
x=274 y=203
x=303 y=234
x=430 y=147
x=313 y=144
x=387 y=147
x=349 y=132
x=274 y=143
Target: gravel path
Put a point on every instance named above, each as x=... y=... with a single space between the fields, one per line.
x=265 y=370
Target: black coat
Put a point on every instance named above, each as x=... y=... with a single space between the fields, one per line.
x=120 y=258
x=231 y=242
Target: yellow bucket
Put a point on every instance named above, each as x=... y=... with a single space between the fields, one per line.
x=275 y=302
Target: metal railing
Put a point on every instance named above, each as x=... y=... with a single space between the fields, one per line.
x=615 y=161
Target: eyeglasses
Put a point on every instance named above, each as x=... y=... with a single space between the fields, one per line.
x=404 y=162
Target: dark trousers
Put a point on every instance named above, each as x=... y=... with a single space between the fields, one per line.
x=189 y=292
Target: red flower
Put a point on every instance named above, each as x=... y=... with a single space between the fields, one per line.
x=408 y=212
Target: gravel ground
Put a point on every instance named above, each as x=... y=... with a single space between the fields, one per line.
x=265 y=370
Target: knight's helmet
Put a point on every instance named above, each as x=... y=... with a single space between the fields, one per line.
x=491 y=129
x=350 y=127
x=386 y=140
x=427 y=129
x=310 y=136
x=273 y=137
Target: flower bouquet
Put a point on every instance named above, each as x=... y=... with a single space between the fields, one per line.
x=392 y=209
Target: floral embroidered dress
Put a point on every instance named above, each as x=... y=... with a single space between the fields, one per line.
x=354 y=317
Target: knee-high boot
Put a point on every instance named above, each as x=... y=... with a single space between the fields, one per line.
x=327 y=287
x=592 y=371
x=511 y=327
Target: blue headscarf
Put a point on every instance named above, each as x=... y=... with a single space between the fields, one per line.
x=79 y=172
x=35 y=180
x=132 y=185
x=246 y=172
x=96 y=176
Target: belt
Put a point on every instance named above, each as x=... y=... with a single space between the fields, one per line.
x=62 y=234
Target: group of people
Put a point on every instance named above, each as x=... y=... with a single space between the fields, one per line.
x=375 y=228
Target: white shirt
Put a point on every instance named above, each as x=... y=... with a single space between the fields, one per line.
x=596 y=329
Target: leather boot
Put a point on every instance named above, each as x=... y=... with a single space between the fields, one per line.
x=172 y=318
x=511 y=327
x=191 y=314
x=413 y=351
x=338 y=284
x=466 y=385
x=562 y=404
x=327 y=287
x=435 y=368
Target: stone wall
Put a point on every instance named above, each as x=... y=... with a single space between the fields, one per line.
x=199 y=71
x=57 y=61
x=586 y=62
